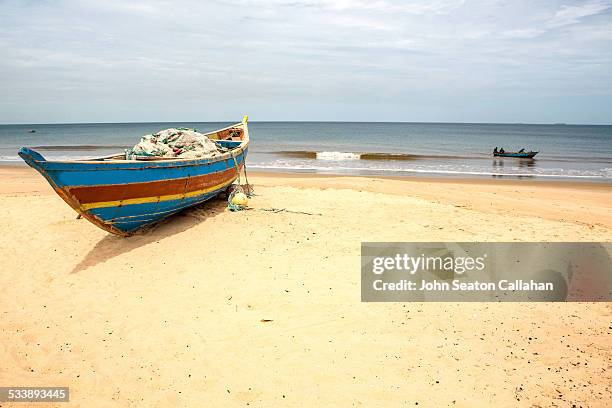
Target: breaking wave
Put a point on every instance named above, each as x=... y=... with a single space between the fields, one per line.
x=341 y=156
x=337 y=156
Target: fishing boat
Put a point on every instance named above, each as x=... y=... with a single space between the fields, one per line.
x=520 y=155
x=121 y=196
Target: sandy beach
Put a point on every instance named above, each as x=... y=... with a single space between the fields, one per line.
x=262 y=307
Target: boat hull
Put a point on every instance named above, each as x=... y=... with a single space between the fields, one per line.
x=122 y=196
x=528 y=155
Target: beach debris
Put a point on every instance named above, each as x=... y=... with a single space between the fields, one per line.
x=237 y=200
x=181 y=143
x=240 y=199
x=266 y=320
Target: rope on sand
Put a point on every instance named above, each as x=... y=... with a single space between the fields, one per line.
x=279 y=210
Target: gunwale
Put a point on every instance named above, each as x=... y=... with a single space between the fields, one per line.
x=108 y=159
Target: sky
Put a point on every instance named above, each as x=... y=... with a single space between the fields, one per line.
x=328 y=60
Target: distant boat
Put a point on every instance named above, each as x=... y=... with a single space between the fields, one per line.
x=120 y=196
x=32 y=131
x=520 y=155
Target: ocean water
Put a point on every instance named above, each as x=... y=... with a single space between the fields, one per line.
x=576 y=152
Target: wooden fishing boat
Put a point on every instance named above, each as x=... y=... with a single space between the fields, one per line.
x=520 y=155
x=121 y=196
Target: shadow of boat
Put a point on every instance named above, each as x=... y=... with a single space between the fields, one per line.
x=112 y=246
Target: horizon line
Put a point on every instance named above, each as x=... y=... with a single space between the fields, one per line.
x=316 y=121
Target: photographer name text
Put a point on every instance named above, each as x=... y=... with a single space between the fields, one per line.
x=457 y=285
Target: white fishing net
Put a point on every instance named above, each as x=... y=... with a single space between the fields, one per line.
x=181 y=143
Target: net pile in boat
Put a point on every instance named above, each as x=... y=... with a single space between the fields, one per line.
x=181 y=143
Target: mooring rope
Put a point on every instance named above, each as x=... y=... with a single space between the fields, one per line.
x=239 y=188
x=249 y=188
x=236 y=165
x=279 y=210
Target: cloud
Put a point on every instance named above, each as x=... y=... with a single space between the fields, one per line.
x=379 y=6
x=572 y=14
x=102 y=60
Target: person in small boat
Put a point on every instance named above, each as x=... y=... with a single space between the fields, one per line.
x=522 y=151
x=501 y=150
x=495 y=150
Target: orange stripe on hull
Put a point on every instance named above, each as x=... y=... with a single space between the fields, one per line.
x=118 y=192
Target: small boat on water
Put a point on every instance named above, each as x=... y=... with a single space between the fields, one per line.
x=520 y=155
x=32 y=131
x=121 y=196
